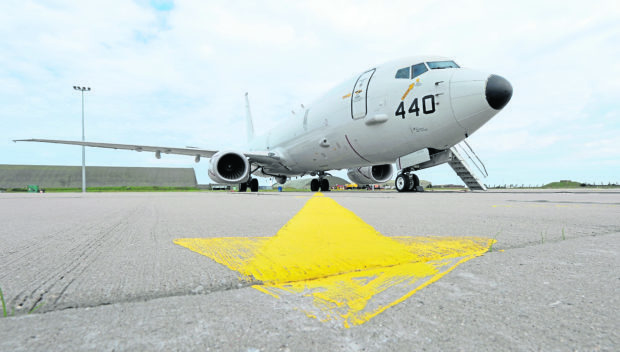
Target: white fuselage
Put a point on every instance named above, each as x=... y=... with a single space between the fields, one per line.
x=358 y=123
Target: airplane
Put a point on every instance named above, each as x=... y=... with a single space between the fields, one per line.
x=409 y=112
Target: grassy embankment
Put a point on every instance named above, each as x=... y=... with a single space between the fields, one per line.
x=564 y=184
x=573 y=184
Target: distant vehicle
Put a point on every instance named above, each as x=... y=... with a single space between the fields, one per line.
x=408 y=112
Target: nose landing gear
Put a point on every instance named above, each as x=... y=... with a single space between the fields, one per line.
x=406 y=181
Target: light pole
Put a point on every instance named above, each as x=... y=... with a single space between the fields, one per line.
x=82 y=89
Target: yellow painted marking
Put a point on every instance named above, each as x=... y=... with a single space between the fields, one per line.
x=408 y=90
x=265 y=290
x=335 y=266
x=346 y=96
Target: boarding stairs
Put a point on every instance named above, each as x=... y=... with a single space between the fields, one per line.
x=455 y=157
x=462 y=168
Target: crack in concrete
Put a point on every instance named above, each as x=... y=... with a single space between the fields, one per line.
x=559 y=202
x=554 y=240
x=138 y=298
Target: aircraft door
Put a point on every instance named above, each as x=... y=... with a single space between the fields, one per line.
x=359 y=96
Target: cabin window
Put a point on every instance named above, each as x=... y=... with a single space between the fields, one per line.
x=418 y=69
x=437 y=65
x=403 y=73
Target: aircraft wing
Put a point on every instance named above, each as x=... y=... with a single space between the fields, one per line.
x=138 y=148
x=264 y=158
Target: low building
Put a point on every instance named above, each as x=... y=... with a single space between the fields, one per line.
x=19 y=176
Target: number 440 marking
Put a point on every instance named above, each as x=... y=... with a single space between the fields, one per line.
x=428 y=106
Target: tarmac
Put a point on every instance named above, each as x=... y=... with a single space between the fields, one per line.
x=101 y=271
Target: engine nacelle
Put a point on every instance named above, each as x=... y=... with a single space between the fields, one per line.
x=371 y=174
x=229 y=167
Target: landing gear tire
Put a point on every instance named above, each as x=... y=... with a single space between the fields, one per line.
x=243 y=187
x=324 y=185
x=402 y=183
x=415 y=182
x=408 y=182
x=314 y=185
x=253 y=185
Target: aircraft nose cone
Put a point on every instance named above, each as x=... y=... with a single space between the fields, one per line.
x=498 y=92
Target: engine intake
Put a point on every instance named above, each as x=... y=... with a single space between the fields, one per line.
x=371 y=174
x=229 y=167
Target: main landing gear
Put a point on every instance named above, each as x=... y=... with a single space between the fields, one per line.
x=252 y=184
x=320 y=182
x=406 y=181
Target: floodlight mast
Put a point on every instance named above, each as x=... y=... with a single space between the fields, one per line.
x=82 y=89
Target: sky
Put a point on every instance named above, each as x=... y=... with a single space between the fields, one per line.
x=173 y=73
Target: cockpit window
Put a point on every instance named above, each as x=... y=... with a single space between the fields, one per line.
x=418 y=70
x=403 y=73
x=437 y=65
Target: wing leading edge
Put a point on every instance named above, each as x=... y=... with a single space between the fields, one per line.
x=265 y=158
x=135 y=147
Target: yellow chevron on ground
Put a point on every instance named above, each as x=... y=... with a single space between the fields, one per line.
x=336 y=266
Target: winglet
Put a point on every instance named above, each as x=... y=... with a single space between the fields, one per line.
x=248 y=119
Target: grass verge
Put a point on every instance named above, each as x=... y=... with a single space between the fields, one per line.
x=5 y=313
x=3 y=303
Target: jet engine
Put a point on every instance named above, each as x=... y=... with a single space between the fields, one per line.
x=229 y=167
x=281 y=179
x=371 y=174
